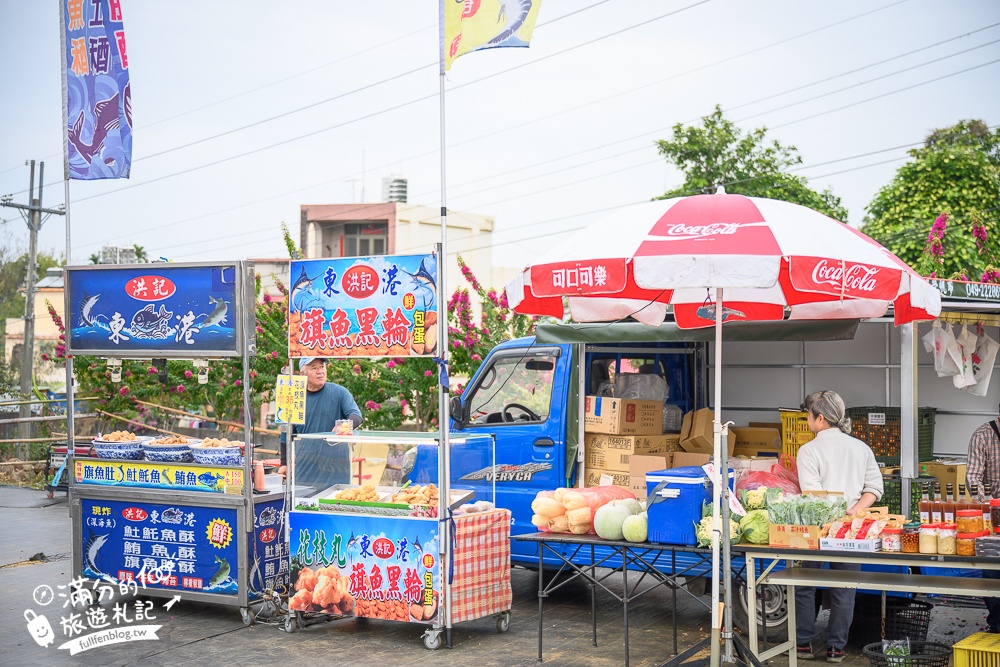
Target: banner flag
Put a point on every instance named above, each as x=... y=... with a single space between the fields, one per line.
x=472 y=25
x=97 y=104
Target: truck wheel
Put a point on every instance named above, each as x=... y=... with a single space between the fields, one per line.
x=775 y=604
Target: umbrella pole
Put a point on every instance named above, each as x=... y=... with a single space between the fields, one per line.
x=715 y=656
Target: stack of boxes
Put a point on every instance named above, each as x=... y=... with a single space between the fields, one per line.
x=623 y=440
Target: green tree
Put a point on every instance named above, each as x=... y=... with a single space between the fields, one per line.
x=956 y=173
x=719 y=153
x=140 y=253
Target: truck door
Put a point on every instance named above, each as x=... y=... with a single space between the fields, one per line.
x=519 y=397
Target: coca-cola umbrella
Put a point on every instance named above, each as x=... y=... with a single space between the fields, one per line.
x=772 y=260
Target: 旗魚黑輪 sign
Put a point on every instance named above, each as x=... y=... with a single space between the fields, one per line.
x=382 y=306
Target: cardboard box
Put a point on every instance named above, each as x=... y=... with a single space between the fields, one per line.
x=612 y=452
x=752 y=464
x=620 y=416
x=749 y=441
x=775 y=425
x=857 y=546
x=640 y=464
x=697 y=433
x=946 y=473
x=794 y=537
x=598 y=477
x=684 y=459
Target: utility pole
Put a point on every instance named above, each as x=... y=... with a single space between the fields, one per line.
x=32 y=214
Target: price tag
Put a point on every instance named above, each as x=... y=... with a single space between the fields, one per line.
x=607 y=480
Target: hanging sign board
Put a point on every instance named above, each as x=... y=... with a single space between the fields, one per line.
x=161 y=310
x=383 y=306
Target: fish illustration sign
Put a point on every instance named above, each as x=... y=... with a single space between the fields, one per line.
x=363 y=307
x=97 y=97
x=187 y=548
x=160 y=310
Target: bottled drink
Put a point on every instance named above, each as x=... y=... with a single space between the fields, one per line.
x=937 y=505
x=925 y=503
x=963 y=502
x=948 y=506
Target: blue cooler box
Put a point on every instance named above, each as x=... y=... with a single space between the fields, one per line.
x=678 y=503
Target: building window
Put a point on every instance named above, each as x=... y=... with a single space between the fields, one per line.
x=365 y=239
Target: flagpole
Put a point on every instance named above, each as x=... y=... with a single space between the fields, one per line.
x=444 y=453
x=67 y=324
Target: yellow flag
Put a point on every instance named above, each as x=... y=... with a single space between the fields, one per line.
x=471 y=25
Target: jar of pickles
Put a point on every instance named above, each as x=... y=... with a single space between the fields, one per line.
x=947 y=534
x=929 y=538
x=911 y=538
x=966 y=544
x=969 y=521
x=892 y=538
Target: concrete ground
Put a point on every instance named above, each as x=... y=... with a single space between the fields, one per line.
x=198 y=634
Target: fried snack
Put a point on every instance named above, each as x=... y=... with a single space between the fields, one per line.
x=417 y=495
x=118 y=436
x=366 y=493
x=220 y=442
x=390 y=610
x=322 y=590
x=172 y=440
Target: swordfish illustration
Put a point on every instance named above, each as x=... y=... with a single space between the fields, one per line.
x=105 y=120
x=514 y=13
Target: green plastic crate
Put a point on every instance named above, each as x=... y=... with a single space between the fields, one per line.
x=879 y=427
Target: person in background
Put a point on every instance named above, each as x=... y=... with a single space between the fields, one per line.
x=326 y=402
x=984 y=470
x=833 y=461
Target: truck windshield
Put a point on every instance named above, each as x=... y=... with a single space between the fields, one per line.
x=513 y=390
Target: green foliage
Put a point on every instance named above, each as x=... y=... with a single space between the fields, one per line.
x=955 y=173
x=13 y=271
x=719 y=153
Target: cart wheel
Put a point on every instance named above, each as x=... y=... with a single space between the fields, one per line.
x=503 y=622
x=247 y=616
x=432 y=640
x=291 y=622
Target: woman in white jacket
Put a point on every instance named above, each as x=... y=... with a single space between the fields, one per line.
x=833 y=461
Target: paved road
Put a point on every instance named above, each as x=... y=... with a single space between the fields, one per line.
x=198 y=634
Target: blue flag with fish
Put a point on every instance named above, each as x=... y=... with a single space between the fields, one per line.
x=97 y=102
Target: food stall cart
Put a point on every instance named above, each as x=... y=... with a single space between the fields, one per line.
x=178 y=516
x=365 y=538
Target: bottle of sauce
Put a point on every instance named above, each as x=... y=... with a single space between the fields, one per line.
x=962 y=499
x=925 y=503
x=985 y=505
x=948 y=506
x=937 y=506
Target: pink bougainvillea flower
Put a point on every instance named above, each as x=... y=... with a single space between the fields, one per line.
x=427 y=374
x=188 y=375
x=123 y=391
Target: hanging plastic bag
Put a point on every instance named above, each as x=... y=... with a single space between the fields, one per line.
x=965 y=345
x=937 y=342
x=982 y=362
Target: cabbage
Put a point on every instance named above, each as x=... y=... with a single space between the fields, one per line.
x=755 y=526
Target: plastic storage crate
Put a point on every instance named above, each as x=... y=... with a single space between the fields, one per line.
x=879 y=427
x=794 y=431
x=905 y=618
x=892 y=496
x=922 y=654
x=979 y=650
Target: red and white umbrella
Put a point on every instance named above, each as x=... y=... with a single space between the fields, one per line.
x=769 y=259
x=775 y=260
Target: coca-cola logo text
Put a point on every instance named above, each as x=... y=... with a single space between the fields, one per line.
x=715 y=229
x=856 y=278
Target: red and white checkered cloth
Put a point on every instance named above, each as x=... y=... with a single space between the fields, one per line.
x=481 y=584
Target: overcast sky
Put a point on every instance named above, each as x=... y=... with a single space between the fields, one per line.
x=245 y=110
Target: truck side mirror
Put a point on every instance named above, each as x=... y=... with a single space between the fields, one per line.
x=457 y=411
